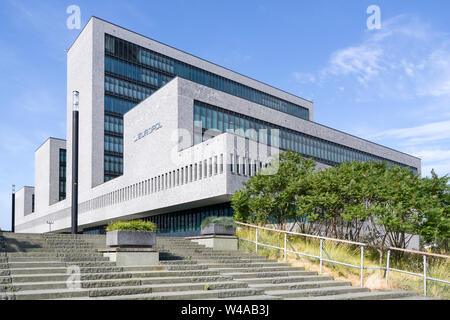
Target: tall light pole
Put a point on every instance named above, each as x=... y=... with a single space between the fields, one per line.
x=13 y=208
x=75 y=110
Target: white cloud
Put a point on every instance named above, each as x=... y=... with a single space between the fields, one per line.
x=433 y=131
x=404 y=70
x=430 y=142
x=362 y=61
x=304 y=77
x=406 y=58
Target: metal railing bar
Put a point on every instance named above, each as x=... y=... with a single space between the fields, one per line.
x=303 y=254
x=324 y=250
x=342 y=263
x=407 y=272
x=438 y=280
x=300 y=253
x=345 y=264
x=347 y=241
x=429 y=271
x=262 y=240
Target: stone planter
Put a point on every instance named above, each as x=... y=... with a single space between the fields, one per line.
x=218 y=229
x=130 y=239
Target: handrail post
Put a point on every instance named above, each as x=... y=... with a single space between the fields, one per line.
x=362 y=266
x=425 y=275
x=387 y=266
x=285 y=243
x=256 y=237
x=321 y=249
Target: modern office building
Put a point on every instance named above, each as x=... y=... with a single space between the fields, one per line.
x=169 y=137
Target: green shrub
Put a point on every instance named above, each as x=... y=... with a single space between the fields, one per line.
x=224 y=221
x=135 y=225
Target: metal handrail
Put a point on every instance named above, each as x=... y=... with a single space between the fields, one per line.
x=362 y=245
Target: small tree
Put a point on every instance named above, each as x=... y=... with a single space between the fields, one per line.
x=434 y=222
x=272 y=198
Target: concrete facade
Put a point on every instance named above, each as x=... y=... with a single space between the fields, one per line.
x=23 y=202
x=163 y=170
x=46 y=175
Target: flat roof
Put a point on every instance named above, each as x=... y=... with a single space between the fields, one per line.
x=49 y=138
x=92 y=17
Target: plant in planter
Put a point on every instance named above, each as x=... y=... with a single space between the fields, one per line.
x=135 y=233
x=218 y=226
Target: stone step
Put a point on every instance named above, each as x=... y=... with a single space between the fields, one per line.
x=125 y=290
x=32 y=255
x=50 y=294
x=285 y=279
x=187 y=267
x=258 y=298
x=57 y=270
x=187 y=295
x=87 y=258
x=299 y=285
x=109 y=275
x=63 y=277
x=28 y=250
x=32 y=264
x=132 y=282
x=316 y=292
x=234 y=260
x=258 y=269
x=214 y=265
x=372 y=295
x=31 y=259
x=414 y=298
x=244 y=275
x=177 y=262
x=172 y=273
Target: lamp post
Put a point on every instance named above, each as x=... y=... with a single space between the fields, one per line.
x=75 y=110
x=13 y=208
x=50 y=225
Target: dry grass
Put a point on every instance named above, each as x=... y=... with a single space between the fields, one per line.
x=373 y=279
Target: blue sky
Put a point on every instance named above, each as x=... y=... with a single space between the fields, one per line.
x=391 y=86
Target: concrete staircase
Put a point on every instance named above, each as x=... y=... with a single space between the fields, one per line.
x=36 y=266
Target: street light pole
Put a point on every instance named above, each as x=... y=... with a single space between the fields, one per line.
x=75 y=110
x=13 y=208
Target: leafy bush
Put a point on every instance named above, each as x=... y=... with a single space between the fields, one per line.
x=135 y=225
x=224 y=221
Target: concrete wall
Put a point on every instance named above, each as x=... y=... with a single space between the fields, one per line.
x=23 y=203
x=46 y=174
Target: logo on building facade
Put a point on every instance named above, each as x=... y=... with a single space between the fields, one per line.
x=148 y=131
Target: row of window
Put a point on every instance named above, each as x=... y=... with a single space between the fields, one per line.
x=186 y=174
x=156 y=61
x=62 y=174
x=117 y=105
x=113 y=124
x=113 y=144
x=188 y=220
x=131 y=71
x=113 y=165
x=127 y=89
x=180 y=221
x=62 y=190
x=218 y=120
x=138 y=55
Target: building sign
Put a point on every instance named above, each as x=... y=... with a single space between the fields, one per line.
x=148 y=131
